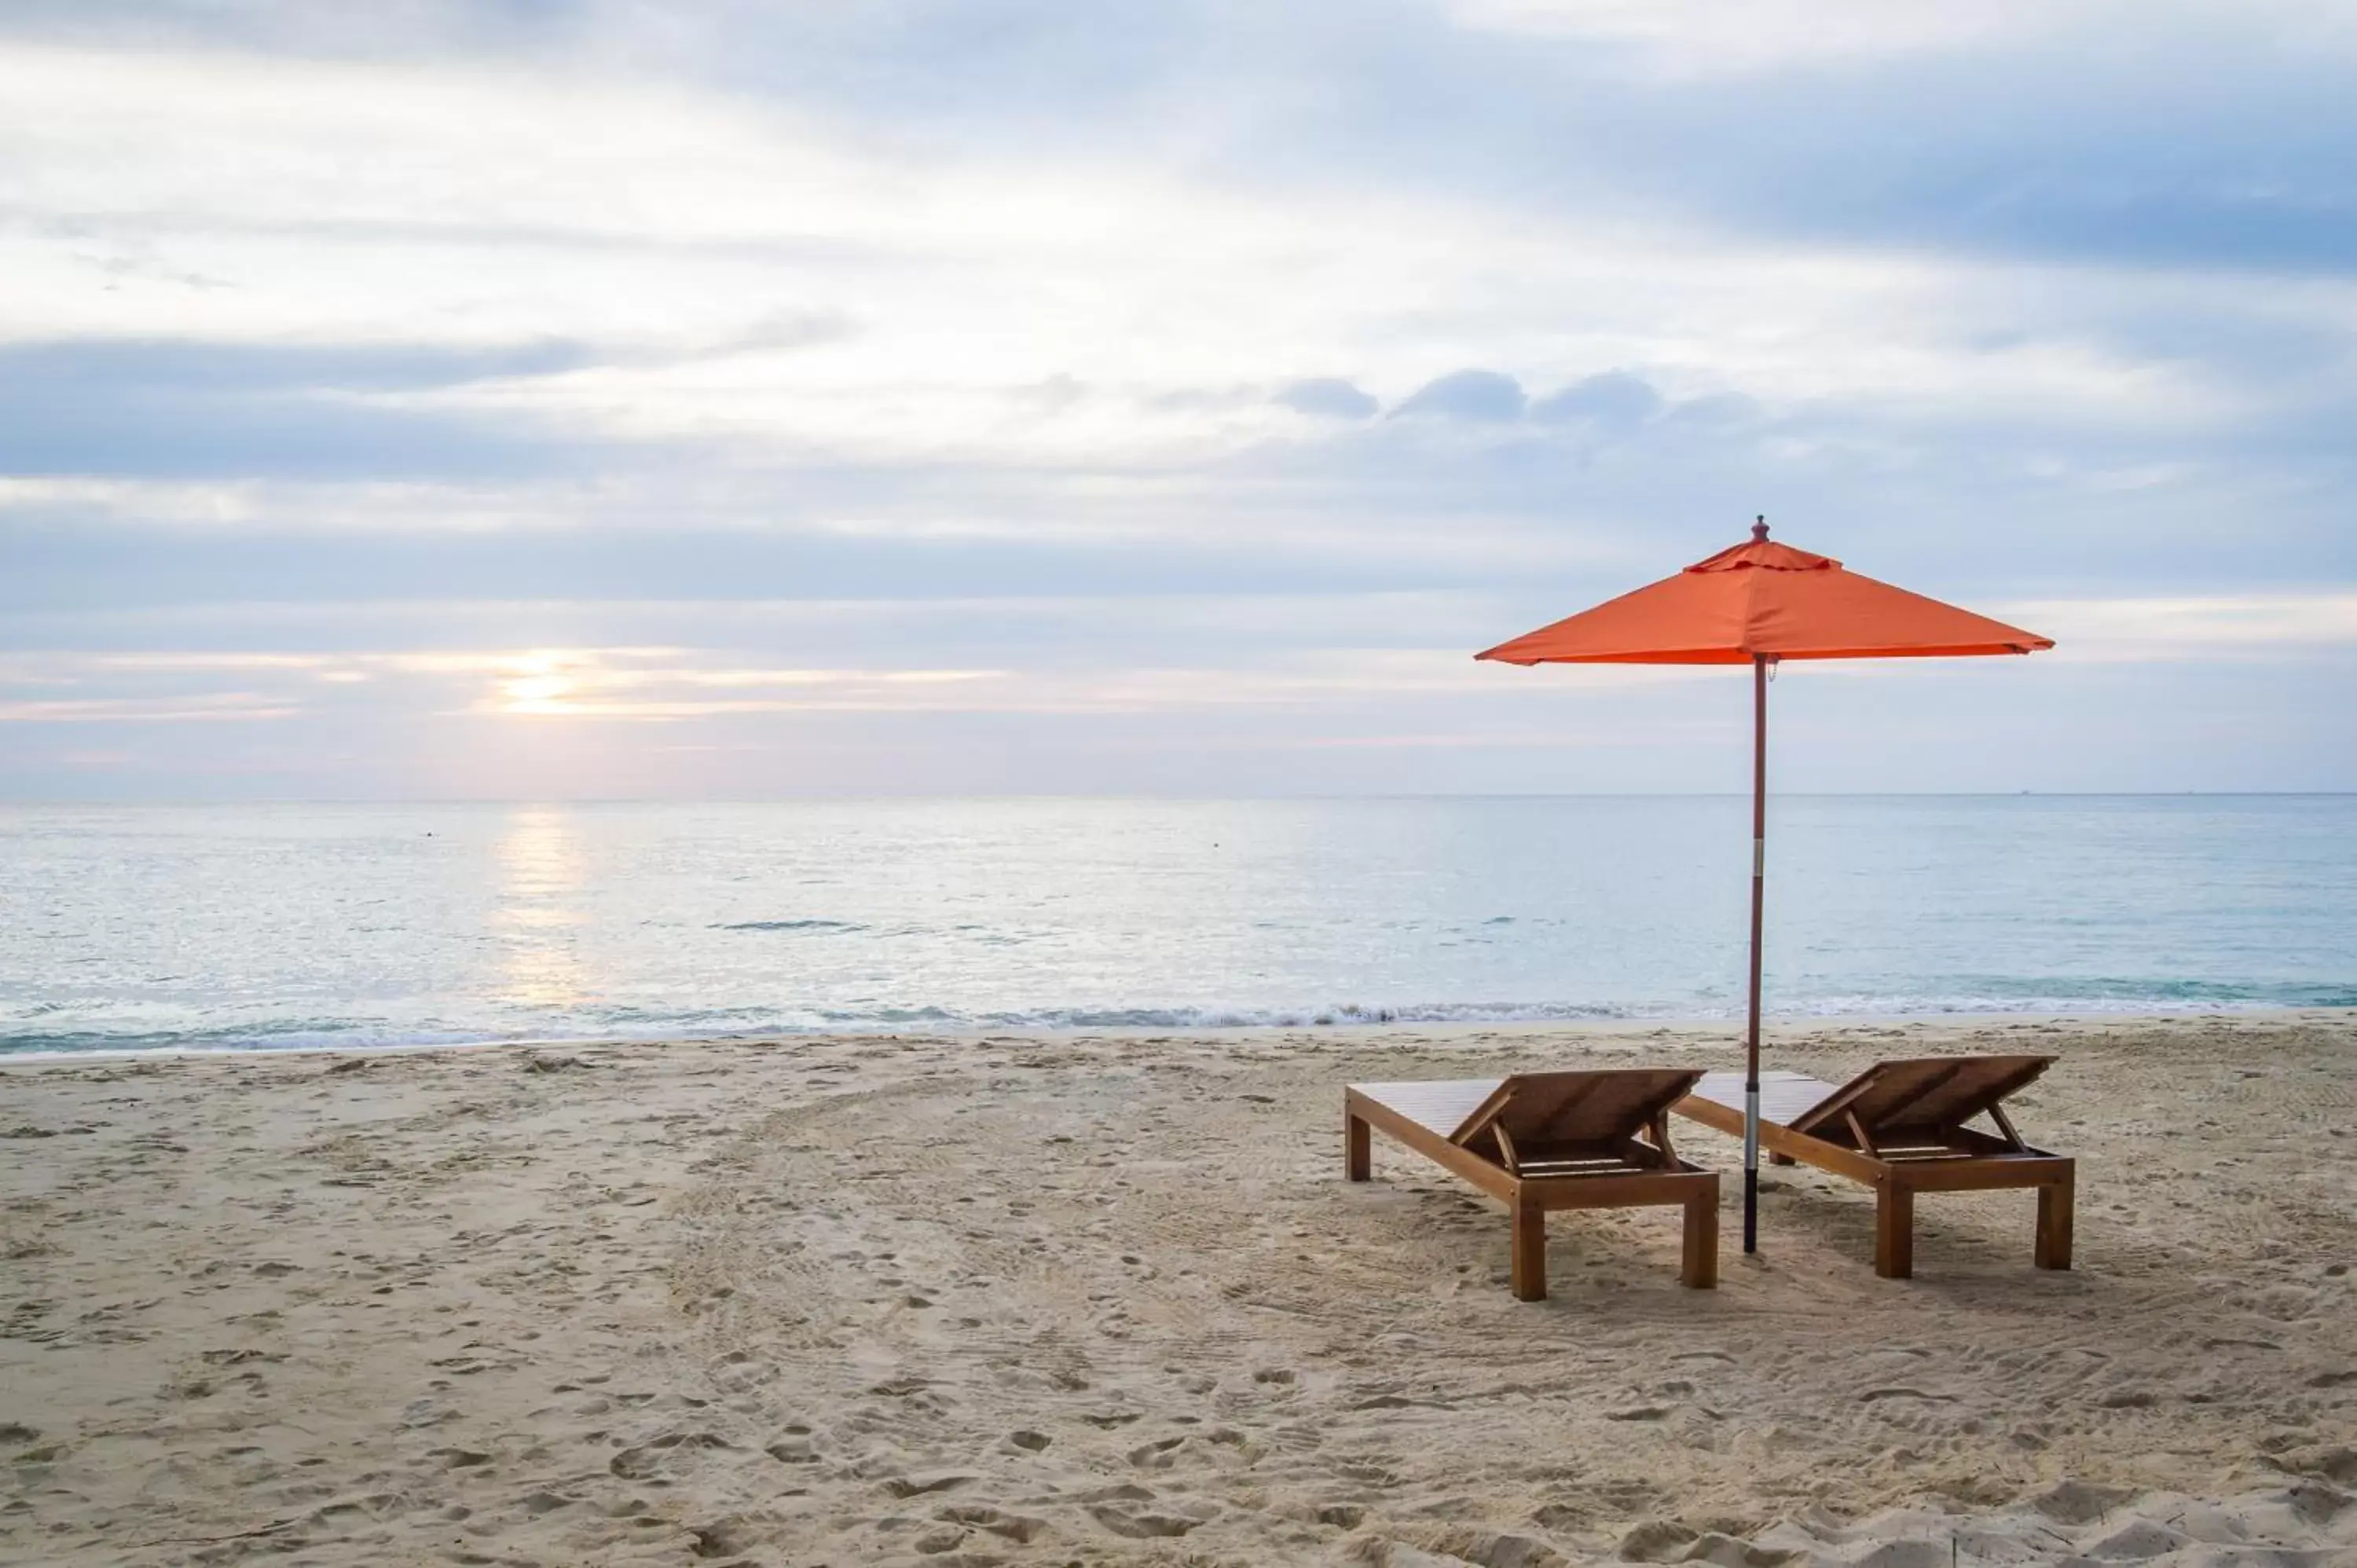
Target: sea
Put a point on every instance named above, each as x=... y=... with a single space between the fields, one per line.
x=261 y=927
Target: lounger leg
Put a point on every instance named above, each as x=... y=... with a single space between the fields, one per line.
x=1701 y=1269
x=1777 y=1159
x=1530 y=1252
x=1894 y=1230
x=2055 y=1202
x=1356 y=1152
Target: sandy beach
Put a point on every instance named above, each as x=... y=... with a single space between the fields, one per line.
x=1106 y=1299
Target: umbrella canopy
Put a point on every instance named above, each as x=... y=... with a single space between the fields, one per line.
x=1760 y=603
x=1761 y=599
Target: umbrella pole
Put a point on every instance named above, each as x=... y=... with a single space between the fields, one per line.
x=1758 y=897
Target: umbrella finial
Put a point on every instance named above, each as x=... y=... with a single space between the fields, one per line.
x=1759 y=528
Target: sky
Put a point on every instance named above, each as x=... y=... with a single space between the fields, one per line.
x=579 y=399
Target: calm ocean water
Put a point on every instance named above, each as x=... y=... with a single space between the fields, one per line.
x=244 y=927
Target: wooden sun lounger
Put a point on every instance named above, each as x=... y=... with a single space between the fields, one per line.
x=1540 y=1141
x=1899 y=1128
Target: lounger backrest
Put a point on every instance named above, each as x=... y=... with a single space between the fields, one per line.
x=1928 y=1093
x=1556 y=1108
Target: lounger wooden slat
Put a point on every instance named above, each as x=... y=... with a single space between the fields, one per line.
x=1545 y=1141
x=1900 y=1127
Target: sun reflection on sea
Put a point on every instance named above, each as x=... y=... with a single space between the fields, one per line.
x=542 y=872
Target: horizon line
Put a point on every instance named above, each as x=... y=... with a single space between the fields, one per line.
x=7 y=802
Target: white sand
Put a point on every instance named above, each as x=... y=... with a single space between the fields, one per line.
x=1093 y=1300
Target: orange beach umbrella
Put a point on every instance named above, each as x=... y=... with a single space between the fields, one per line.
x=1758 y=603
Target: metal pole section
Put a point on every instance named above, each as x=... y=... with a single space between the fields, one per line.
x=1759 y=899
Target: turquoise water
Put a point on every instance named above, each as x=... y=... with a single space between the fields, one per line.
x=238 y=927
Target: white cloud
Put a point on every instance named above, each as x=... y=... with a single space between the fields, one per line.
x=1733 y=38
x=820 y=342
x=1711 y=37
x=457 y=204
x=212 y=707
x=2206 y=626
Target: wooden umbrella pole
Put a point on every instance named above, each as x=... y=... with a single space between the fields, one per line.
x=1758 y=901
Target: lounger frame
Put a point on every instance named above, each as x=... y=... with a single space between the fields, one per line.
x=1623 y=1174
x=1898 y=1158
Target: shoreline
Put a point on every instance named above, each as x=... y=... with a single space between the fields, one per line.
x=1038 y=1299
x=1783 y=1029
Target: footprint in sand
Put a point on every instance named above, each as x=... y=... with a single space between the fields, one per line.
x=794 y=1448
x=1159 y=1455
x=1142 y=1524
x=1018 y=1528
x=725 y=1537
x=650 y=1459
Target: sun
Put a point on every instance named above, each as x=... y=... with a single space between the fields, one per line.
x=537 y=694
x=540 y=685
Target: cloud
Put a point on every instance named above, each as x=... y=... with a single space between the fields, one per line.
x=2144 y=631
x=1484 y=397
x=343 y=347
x=86 y=366
x=359 y=411
x=641 y=684
x=166 y=408
x=1327 y=397
x=1695 y=37
x=207 y=707
x=1614 y=400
